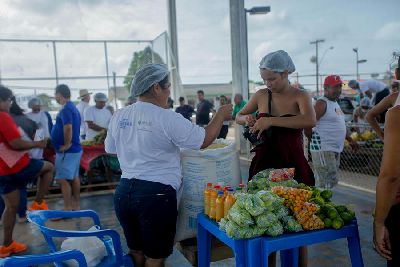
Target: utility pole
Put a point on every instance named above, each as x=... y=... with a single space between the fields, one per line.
x=173 y=35
x=115 y=89
x=316 y=42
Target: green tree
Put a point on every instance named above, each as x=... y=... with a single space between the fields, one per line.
x=139 y=59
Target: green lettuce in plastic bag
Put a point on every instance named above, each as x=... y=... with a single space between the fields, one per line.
x=266 y=219
x=267 y=197
x=240 y=216
x=222 y=224
x=241 y=199
x=290 y=224
x=281 y=212
x=254 y=205
x=275 y=229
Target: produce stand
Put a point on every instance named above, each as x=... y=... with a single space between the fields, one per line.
x=255 y=251
x=90 y=154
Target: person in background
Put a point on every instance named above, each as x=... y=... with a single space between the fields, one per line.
x=185 y=110
x=29 y=127
x=225 y=126
x=374 y=89
x=239 y=105
x=217 y=103
x=38 y=116
x=84 y=96
x=361 y=111
x=97 y=117
x=283 y=113
x=65 y=140
x=375 y=112
x=204 y=107
x=16 y=172
x=170 y=103
x=387 y=209
x=147 y=139
x=327 y=138
x=111 y=109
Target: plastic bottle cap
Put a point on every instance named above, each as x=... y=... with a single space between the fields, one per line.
x=217 y=187
x=242 y=185
x=230 y=190
x=220 y=193
x=209 y=184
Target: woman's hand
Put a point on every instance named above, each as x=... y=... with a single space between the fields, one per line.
x=381 y=241
x=250 y=120
x=261 y=125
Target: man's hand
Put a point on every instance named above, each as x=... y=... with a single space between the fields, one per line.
x=261 y=125
x=225 y=111
x=64 y=148
x=381 y=241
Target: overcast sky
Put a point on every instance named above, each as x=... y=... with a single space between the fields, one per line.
x=203 y=36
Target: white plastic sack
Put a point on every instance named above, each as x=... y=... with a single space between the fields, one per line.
x=92 y=248
x=37 y=153
x=199 y=167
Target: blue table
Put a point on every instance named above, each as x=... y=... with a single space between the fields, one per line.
x=255 y=251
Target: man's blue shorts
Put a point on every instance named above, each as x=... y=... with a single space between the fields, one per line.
x=12 y=182
x=67 y=165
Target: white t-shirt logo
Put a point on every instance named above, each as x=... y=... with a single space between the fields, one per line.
x=124 y=123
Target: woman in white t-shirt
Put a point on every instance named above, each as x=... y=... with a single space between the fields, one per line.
x=147 y=137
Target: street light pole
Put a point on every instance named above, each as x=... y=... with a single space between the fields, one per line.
x=316 y=42
x=358 y=61
x=356 y=51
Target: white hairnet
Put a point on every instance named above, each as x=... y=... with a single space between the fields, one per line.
x=147 y=76
x=100 y=97
x=34 y=102
x=278 y=61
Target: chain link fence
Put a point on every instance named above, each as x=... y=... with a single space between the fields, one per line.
x=358 y=167
x=34 y=67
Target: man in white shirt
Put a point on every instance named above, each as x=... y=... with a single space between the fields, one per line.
x=369 y=87
x=38 y=116
x=327 y=138
x=97 y=117
x=84 y=96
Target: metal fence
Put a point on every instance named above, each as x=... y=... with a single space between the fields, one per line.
x=33 y=67
x=358 y=168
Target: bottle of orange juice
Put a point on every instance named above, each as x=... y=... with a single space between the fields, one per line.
x=226 y=188
x=207 y=193
x=213 y=199
x=229 y=201
x=219 y=206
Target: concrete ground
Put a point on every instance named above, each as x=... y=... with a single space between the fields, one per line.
x=334 y=253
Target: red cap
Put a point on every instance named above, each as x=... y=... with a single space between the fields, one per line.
x=333 y=80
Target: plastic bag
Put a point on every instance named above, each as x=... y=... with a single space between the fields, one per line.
x=92 y=248
x=290 y=224
x=254 y=205
x=266 y=220
x=240 y=216
x=281 y=212
x=267 y=197
x=275 y=229
x=281 y=174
